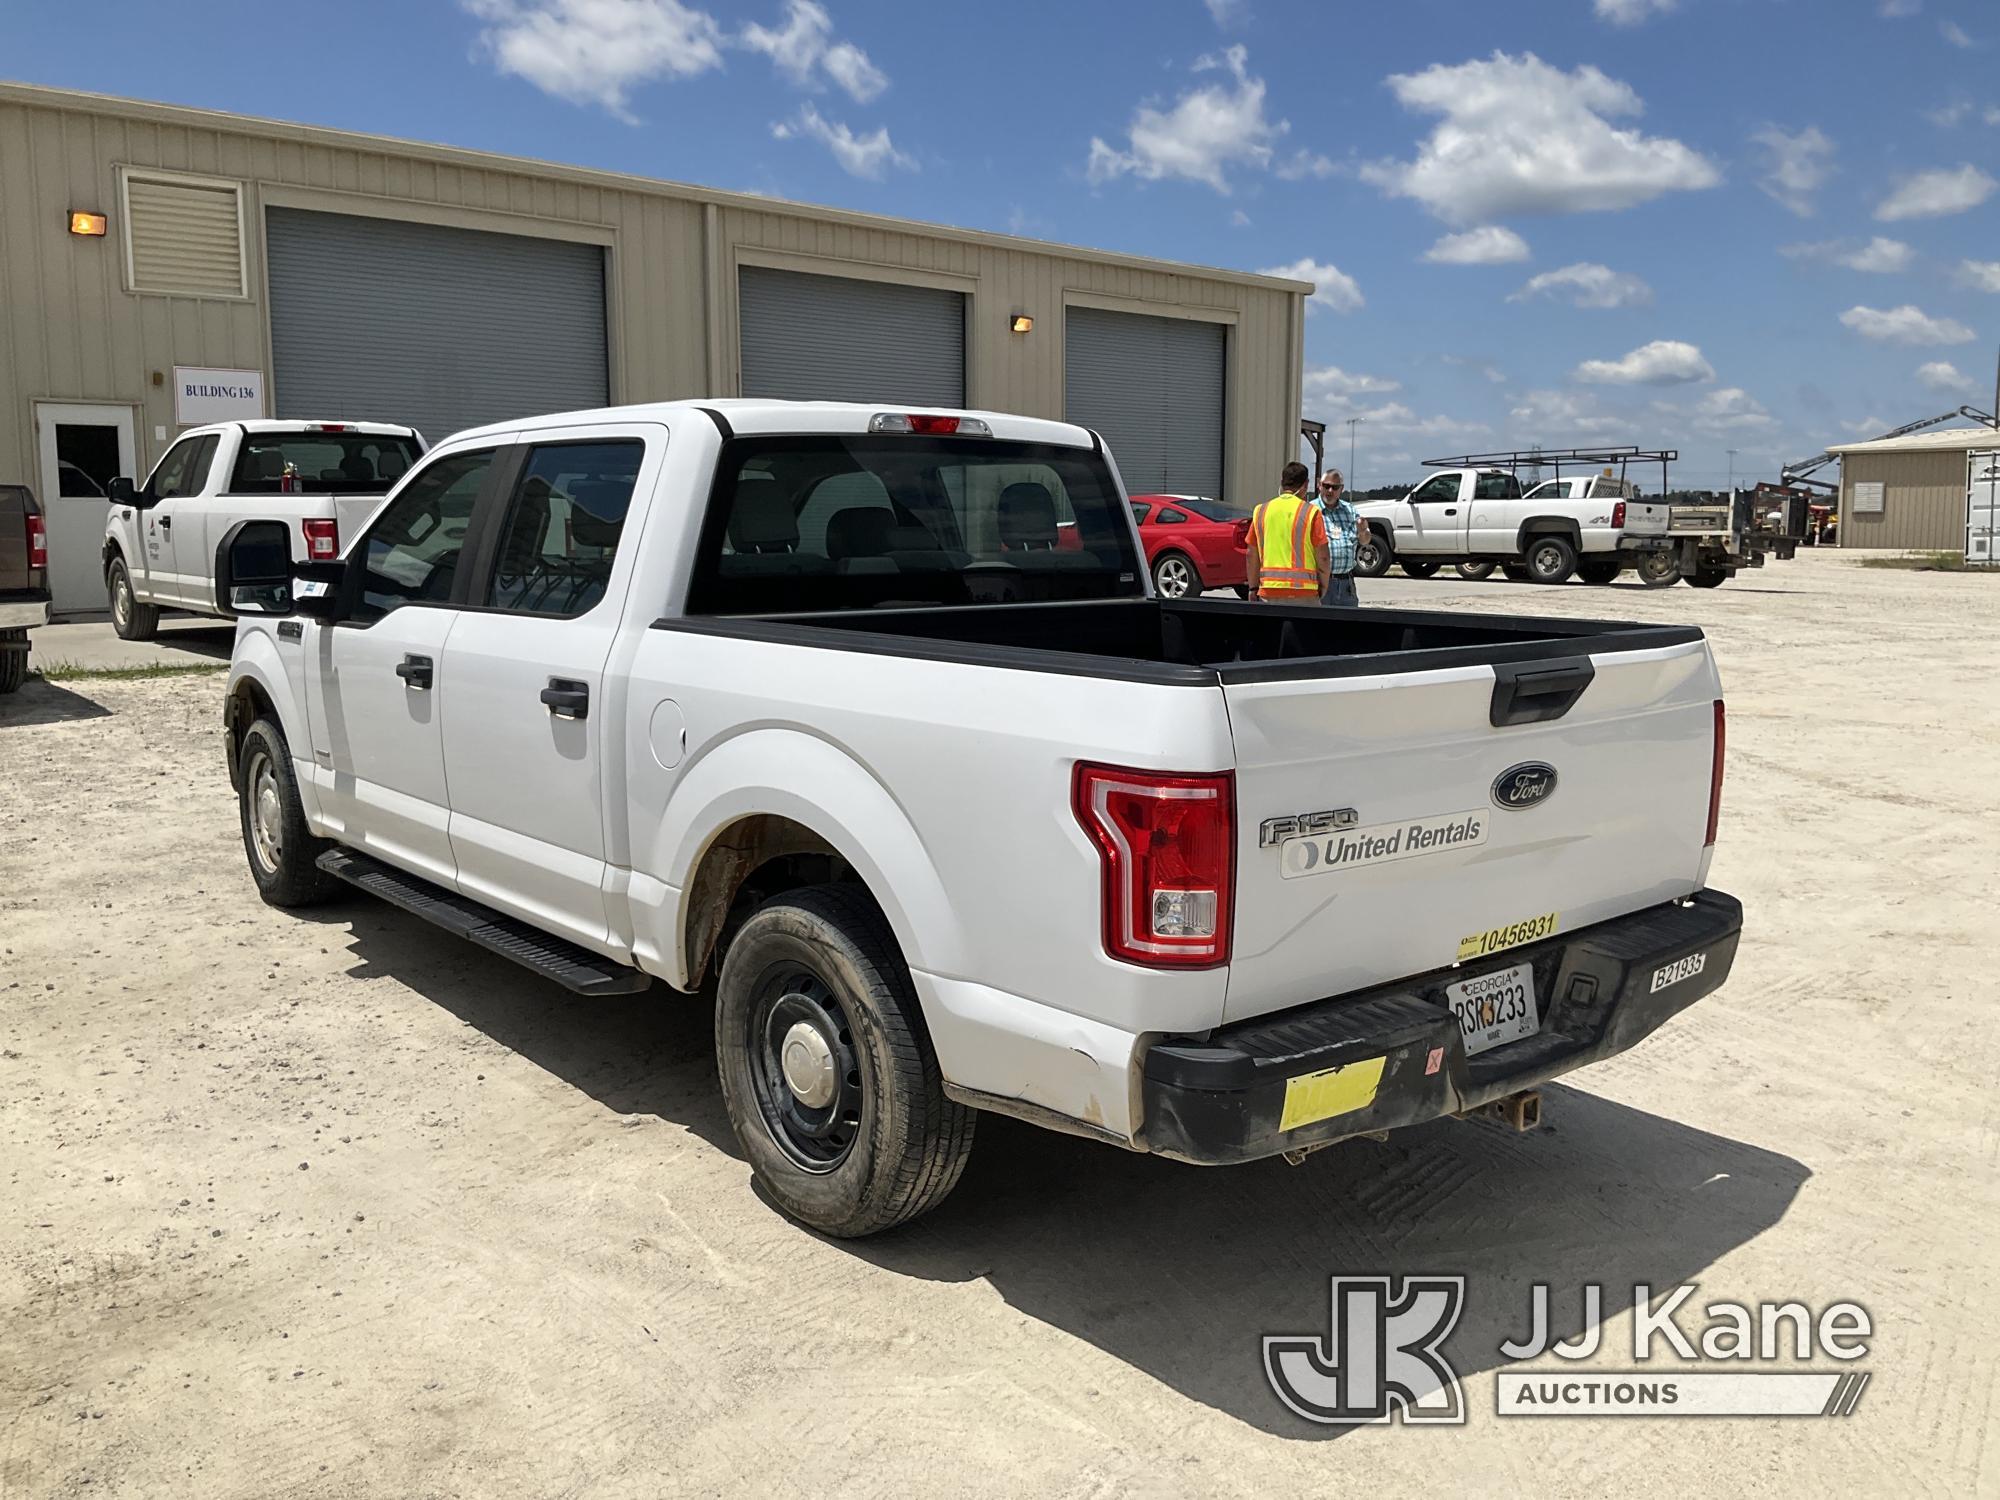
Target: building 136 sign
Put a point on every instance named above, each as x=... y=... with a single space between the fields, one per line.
x=216 y=395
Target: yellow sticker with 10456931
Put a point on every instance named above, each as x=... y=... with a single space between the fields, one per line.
x=1312 y=1097
x=1493 y=939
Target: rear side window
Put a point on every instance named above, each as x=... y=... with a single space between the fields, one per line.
x=562 y=527
x=411 y=553
x=803 y=524
x=321 y=463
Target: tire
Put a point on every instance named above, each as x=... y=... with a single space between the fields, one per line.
x=886 y=1144
x=1708 y=578
x=1658 y=570
x=1372 y=558
x=1551 y=559
x=281 y=849
x=1595 y=571
x=132 y=620
x=1243 y=591
x=1175 y=576
x=1419 y=568
x=13 y=664
x=1515 y=572
x=1475 y=572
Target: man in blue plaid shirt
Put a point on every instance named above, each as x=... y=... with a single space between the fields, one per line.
x=1345 y=531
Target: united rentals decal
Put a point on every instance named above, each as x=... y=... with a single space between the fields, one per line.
x=1350 y=849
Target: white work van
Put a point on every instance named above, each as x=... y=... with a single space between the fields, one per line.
x=866 y=728
x=323 y=479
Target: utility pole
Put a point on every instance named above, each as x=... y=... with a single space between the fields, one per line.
x=1732 y=469
x=1352 y=423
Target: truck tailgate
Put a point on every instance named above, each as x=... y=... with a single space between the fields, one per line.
x=1413 y=863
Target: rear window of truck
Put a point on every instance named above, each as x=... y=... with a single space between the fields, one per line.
x=321 y=463
x=807 y=524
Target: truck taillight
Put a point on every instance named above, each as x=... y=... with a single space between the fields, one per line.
x=1166 y=843
x=322 y=540
x=1715 y=778
x=1618 y=515
x=38 y=543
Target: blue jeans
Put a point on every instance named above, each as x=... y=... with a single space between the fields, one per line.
x=1340 y=590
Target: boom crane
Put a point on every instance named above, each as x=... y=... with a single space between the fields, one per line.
x=1796 y=473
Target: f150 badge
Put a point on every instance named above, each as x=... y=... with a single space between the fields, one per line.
x=1274 y=831
x=1529 y=784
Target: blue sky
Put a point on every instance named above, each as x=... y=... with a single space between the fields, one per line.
x=1708 y=224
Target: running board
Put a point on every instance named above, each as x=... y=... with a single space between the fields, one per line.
x=555 y=958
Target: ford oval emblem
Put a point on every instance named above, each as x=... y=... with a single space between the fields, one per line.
x=1529 y=784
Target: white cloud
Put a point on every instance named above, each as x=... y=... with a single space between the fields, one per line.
x=1335 y=288
x=1303 y=164
x=1394 y=417
x=1796 y=163
x=1227 y=13
x=1484 y=367
x=862 y=155
x=1662 y=362
x=1731 y=410
x=1954 y=33
x=1588 y=284
x=1948 y=116
x=1329 y=384
x=804 y=48
x=1630 y=12
x=1981 y=275
x=1992 y=115
x=1208 y=130
x=1867 y=427
x=1517 y=136
x=1239 y=219
x=1551 y=416
x=1940 y=191
x=1942 y=375
x=1880 y=255
x=1488 y=245
x=1896 y=10
x=1905 y=325
x=597 y=51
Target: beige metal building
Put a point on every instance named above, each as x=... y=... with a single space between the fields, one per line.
x=1909 y=492
x=162 y=266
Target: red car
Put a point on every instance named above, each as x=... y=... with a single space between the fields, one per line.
x=1192 y=543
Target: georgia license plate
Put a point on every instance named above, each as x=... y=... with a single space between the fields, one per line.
x=1494 y=1009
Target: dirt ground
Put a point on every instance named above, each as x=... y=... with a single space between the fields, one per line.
x=341 y=1206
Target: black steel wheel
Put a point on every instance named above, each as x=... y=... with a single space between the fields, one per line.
x=1420 y=567
x=803 y=1069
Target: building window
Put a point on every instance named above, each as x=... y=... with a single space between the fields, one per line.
x=183 y=235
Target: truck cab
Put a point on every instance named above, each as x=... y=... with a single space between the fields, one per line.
x=323 y=479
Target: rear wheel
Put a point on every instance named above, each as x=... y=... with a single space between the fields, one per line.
x=1598 y=571
x=1174 y=576
x=282 y=851
x=1420 y=567
x=1551 y=559
x=1372 y=557
x=13 y=663
x=1658 y=569
x=132 y=620
x=1475 y=572
x=1516 y=571
x=827 y=1069
x=1708 y=578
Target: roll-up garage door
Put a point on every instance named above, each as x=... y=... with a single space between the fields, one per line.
x=1153 y=389
x=834 y=338
x=380 y=320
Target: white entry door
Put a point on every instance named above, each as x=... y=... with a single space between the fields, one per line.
x=81 y=447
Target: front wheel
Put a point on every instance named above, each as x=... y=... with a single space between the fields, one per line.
x=1475 y=572
x=282 y=851
x=828 y=1074
x=1658 y=569
x=1598 y=571
x=1514 y=571
x=1372 y=558
x=1417 y=568
x=1709 y=578
x=1551 y=560
x=132 y=620
x=1174 y=576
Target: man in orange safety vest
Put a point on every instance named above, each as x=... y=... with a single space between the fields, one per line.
x=1288 y=553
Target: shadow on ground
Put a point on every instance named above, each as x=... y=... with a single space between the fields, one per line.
x=41 y=702
x=1176 y=1270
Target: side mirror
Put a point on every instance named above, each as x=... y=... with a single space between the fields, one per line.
x=120 y=491
x=254 y=574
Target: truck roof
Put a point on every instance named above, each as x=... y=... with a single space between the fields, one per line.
x=302 y=424
x=753 y=415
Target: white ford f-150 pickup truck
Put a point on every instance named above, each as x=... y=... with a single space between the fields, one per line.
x=816 y=702
x=322 y=478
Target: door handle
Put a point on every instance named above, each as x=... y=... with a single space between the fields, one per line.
x=166 y=523
x=416 y=671
x=1453 y=511
x=567 y=698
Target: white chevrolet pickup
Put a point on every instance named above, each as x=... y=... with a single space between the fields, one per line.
x=819 y=704
x=323 y=478
x=1479 y=519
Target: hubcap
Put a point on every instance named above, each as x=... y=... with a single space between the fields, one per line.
x=1547 y=559
x=1173 y=578
x=267 y=813
x=121 y=598
x=804 y=1069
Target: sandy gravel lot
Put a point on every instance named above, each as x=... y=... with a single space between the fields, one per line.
x=341 y=1206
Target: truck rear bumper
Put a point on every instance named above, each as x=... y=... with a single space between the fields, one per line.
x=1224 y=1099
x=23 y=613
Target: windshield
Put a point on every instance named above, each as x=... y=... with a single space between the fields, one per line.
x=321 y=463
x=802 y=524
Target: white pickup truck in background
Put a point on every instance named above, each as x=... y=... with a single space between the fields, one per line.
x=812 y=710
x=1479 y=519
x=322 y=478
